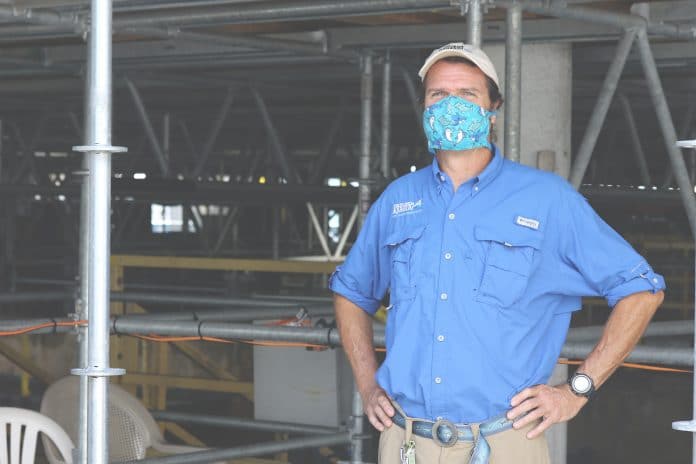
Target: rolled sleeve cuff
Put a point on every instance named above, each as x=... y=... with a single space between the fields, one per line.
x=346 y=287
x=640 y=278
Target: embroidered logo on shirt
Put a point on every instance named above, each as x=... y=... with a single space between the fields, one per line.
x=526 y=222
x=407 y=207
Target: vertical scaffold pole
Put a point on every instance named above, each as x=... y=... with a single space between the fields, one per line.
x=366 y=87
x=98 y=150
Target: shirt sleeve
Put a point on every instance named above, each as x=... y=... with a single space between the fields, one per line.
x=596 y=260
x=364 y=276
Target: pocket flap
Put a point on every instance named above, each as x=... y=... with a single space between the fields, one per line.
x=402 y=234
x=510 y=235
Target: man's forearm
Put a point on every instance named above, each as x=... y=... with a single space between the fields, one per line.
x=623 y=329
x=355 y=327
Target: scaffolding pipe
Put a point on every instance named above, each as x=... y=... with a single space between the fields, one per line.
x=513 y=82
x=302 y=10
x=366 y=90
x=609 y=18
x=246 y=451
x=98 y=150
x=168 y=298
x=234 y=315
x=214 y=131
x=131 y=325
x=386 y=116
x=35 y=297
x=413 y=96
x=277 y=11
x=366 y=87
x=81 y=313
x=346 y=232
x=635 y=139
x=474 y=23
x=147 y=125
x=655 y=329
x=594 y=127
x=686 y=190
x=241 y=423
x=683 y=357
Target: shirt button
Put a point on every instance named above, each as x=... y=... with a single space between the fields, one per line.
x=438 y=380
x=443 y=296
x=476 y=188
x=442 y=178
x=451 y=216
x=655 y=280
x=448 y=256
x=440 y=338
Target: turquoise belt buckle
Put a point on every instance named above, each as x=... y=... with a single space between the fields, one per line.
x=454 y=438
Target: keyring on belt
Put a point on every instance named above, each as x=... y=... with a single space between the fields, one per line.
x=453 y=439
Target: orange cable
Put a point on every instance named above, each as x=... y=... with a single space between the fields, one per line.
x=41 y=326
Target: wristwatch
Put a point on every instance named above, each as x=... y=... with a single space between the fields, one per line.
x=582 y=385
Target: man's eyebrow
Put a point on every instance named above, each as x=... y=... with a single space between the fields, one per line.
x=462 y=89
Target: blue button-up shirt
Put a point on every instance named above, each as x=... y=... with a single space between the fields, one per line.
x=482 y=283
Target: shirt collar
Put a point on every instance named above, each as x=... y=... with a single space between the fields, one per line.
x=487 y=176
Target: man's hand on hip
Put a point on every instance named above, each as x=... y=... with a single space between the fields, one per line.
x=378 y=408
x=550 y=404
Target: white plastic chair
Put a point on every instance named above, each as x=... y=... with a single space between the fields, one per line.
x=132 y=429
x=23 y=426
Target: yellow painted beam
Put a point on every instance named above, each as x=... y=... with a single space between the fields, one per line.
x=190 y=383
x=183 y=434
x=225 y=264
x=26 y=363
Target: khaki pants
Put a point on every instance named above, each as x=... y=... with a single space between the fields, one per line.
x=508 y=447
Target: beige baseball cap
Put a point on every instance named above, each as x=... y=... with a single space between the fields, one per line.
x=468 y=51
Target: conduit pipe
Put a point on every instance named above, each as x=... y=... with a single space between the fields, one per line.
x=258 y=449
x=241 y=423
x=132 y=325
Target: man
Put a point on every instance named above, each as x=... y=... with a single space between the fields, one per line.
x=485 y=260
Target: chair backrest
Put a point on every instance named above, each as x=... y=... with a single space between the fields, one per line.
x=23 y=426
x=132 y=430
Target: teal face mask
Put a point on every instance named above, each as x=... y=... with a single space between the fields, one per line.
x=455 y=123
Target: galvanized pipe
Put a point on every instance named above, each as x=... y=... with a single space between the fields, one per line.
x=594 y=127
x=81 y=311
x=245 y=451
x=683 y=357
x=686 y=190
x=235 y=315
x=169 y=298
x=276 y=11
x=474 y=23
x=214 y=131
x=386 y=116
x=149 y=130
x=280 y=155
x=576 y=347
x=635 y=139
x=413 y=96
x=366 y=91
x=609 y=18
x=98 y=151
x=655 y=329
x=35 y=297
x=513 y=82
x=346 y=232
x=241 y=423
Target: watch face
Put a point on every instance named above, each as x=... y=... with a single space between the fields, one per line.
x=581 y=383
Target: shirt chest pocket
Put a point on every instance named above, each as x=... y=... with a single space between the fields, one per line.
x=403 y=247
x=509 y=257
